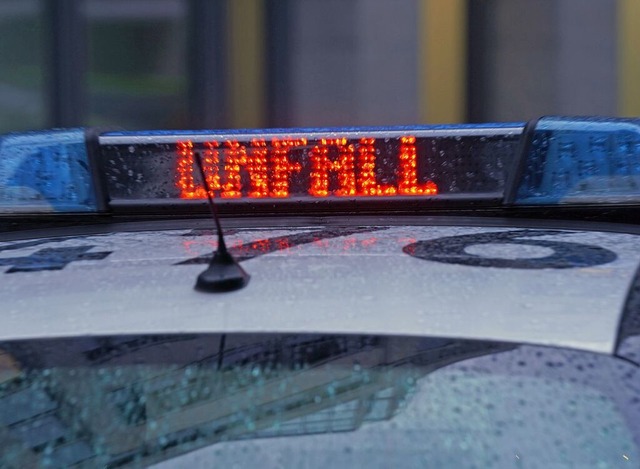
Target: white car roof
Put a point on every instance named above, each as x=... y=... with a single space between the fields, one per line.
x=550 y=287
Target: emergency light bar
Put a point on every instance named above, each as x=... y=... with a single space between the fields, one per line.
x=577 y=160
x=46 y=171
x=551 y=161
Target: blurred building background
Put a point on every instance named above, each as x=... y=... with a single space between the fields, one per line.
x=258 y=63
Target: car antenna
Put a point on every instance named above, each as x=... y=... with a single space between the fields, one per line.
x=224 y=274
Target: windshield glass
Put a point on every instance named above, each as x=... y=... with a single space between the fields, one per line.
x=313 y=401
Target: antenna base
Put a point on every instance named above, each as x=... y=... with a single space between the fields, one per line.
x=223 y=275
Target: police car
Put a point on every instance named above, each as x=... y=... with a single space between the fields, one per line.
x=444 y=296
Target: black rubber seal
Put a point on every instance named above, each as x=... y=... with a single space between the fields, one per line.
x=514 y=177
x=630 y=319
x=96 y=167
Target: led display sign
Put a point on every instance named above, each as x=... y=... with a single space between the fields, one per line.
x=295 y=165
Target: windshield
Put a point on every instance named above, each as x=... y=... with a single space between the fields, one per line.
x=313 y=401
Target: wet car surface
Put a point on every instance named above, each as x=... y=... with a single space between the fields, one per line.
x=399 y=309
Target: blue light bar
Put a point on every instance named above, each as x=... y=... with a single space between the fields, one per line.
x=45 y=172
x=555 y=160
x=578 y=160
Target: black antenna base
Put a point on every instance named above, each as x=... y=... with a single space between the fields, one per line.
x=224 y=274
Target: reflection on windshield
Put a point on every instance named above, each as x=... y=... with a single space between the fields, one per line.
x=134 y=401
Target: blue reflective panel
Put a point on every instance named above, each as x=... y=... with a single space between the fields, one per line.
x=45 y=171
x=582 y=160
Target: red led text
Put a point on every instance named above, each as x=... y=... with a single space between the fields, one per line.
x=329 y=167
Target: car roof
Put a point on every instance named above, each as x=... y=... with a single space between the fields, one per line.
x=522 y=283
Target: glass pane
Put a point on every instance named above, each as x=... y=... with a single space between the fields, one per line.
x=313 y=401
x=137 y=63
x=21 y=65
